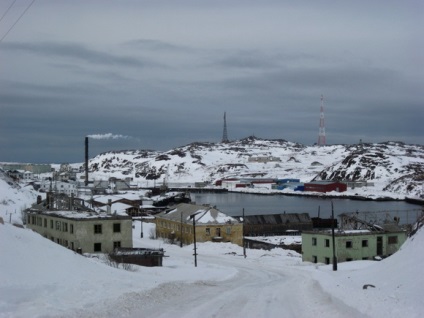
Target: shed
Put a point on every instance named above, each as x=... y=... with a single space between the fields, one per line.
x=139 y=256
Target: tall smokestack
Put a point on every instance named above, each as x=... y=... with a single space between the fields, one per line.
x=86 y=161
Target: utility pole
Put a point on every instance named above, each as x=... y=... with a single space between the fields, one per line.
x=181 y=232
x=194 y=239
x=244 y=244
x=193 y=216
x=332 y=234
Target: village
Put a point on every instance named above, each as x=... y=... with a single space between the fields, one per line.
x=98 y=217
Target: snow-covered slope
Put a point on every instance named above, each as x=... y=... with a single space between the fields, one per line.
x=396 y=281
x=14 y=198
x=395 y=168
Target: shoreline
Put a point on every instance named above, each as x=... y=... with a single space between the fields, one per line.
x=266 y=192
x=416 y=201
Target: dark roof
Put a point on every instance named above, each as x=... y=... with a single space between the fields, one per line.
x=286 y=218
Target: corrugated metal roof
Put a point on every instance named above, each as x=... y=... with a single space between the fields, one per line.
x=285 y=218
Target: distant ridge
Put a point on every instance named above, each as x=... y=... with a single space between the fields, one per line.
x=393 y=167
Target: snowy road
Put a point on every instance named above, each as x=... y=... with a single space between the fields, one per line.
x=257 y=290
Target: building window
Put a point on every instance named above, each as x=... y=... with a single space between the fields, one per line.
x=45 y=222
x=97 y=247
x=71 y=229
x=58 y=225
x=314 y=259
x=116 y=227
x=208 y=231
x=117 y=244
x=364 y=243
x=349 y=244
x=392 y=240
x=65 y=227
x=51 y=224
x=97 y=229
x=314 y=241
x=228 y=230
x=327 y=260
x=327 y=243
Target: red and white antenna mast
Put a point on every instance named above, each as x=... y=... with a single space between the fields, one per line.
x=321 y=134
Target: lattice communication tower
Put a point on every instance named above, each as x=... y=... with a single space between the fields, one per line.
x=321 y=134
x=225 y=134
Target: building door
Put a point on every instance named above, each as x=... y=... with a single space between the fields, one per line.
x=218 y=232
x=379 y=245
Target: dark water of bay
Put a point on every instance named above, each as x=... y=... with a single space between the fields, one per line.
x=253 y=204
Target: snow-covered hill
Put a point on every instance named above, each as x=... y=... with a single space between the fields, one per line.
x=393 y=167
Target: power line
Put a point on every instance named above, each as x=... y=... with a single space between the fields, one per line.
x=26 y=9
x=7 y=10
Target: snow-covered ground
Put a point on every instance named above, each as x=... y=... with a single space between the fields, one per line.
x=39 y=278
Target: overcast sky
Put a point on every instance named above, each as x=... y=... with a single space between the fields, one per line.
x=164 y=72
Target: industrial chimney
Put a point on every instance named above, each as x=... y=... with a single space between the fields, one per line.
x=86 y=161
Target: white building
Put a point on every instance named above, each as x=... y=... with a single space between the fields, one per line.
x=59 y=187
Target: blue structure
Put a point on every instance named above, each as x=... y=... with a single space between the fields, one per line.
x=283 y=181
x=296 y=186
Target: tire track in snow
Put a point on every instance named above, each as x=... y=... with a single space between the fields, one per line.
x=258 y=290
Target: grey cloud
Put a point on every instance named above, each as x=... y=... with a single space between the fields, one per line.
x=247 y=61
x=172 y=88
x=78 y=52
x=156 y=45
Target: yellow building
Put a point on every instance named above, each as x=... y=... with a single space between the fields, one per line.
x=210 y=225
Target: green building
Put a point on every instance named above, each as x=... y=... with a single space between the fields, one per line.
x=350 y=245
